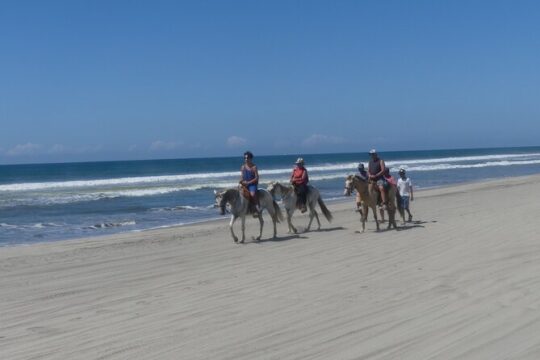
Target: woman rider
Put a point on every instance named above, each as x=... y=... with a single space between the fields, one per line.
x=249 y=178
x=299 y=179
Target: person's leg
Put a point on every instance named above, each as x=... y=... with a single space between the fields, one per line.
x=383 y=194
x=406 y=206
x=253 y=199
x=303 y=196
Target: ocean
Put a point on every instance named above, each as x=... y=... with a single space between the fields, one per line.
x=48 y=202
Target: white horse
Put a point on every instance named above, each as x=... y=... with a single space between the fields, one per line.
x=289 y=198
x=239 y=208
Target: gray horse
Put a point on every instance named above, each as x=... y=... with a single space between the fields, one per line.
x=288 y=197
x=239 y=208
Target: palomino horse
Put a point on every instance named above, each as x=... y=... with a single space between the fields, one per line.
x=369 y=196
x=239 y=208
x=289 y=198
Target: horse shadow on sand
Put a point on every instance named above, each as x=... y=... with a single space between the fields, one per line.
x=299 y=235
x=404 y=227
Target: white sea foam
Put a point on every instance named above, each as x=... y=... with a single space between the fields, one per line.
x=179 y=208
x=110 y=225
x=7 y=226
x=193 y=181
x=54 y=198
x=471 y=166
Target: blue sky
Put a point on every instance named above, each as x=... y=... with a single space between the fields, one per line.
x=107 y=80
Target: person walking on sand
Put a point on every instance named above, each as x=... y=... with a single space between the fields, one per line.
x=249 y=178
x=299 y=180
x=405 y=188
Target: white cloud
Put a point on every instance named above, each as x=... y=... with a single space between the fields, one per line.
x=89 y=149
x=23 y=149
x=160 y=145
x=57 y=149
x=318 y=139
x=236 y=141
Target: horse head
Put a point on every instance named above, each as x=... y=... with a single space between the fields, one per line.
x=220 y=201
x=349 y=182
x=271 y=188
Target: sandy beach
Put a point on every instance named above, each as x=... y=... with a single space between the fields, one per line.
x=460 y=282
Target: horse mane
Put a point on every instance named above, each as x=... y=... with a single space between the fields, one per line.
x=285 y=190
x=359 y=178
x=230 y=194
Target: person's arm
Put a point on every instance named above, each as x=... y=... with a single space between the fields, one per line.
x=410 y=185
x=255 y=180
x=242 y=175
x=304 y=176
x=383 y=167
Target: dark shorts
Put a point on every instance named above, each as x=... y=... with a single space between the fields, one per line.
x=382 y=182
x=252 y=188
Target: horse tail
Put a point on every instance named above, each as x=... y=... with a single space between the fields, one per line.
x=324 y=209
x=399 y=204
x=277 y=210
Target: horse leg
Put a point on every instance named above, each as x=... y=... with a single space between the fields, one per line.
x=261 y=222
x=273 y=215
x=290 y=212
x=392 y=216
x=314 y=212
x=274 y=220
x=233 y=219
x=310 y=219
x=243 y=228
x=364 y=215
x=374 y=209
x=394 y=213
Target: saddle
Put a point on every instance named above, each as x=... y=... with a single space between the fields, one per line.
x=251 y=202
x=245 y=192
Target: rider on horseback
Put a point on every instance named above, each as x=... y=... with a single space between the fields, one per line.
x=300 y=179
x=376 y=169
x=249 y=178
x=363 y=175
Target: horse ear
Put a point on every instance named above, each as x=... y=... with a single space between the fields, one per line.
x=215 y=192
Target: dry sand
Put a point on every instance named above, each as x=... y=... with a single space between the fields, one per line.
x=462 y=282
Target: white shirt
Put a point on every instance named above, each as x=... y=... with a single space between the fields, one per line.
x=404 y=186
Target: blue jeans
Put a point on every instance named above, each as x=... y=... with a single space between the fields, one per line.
x=405 y=202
